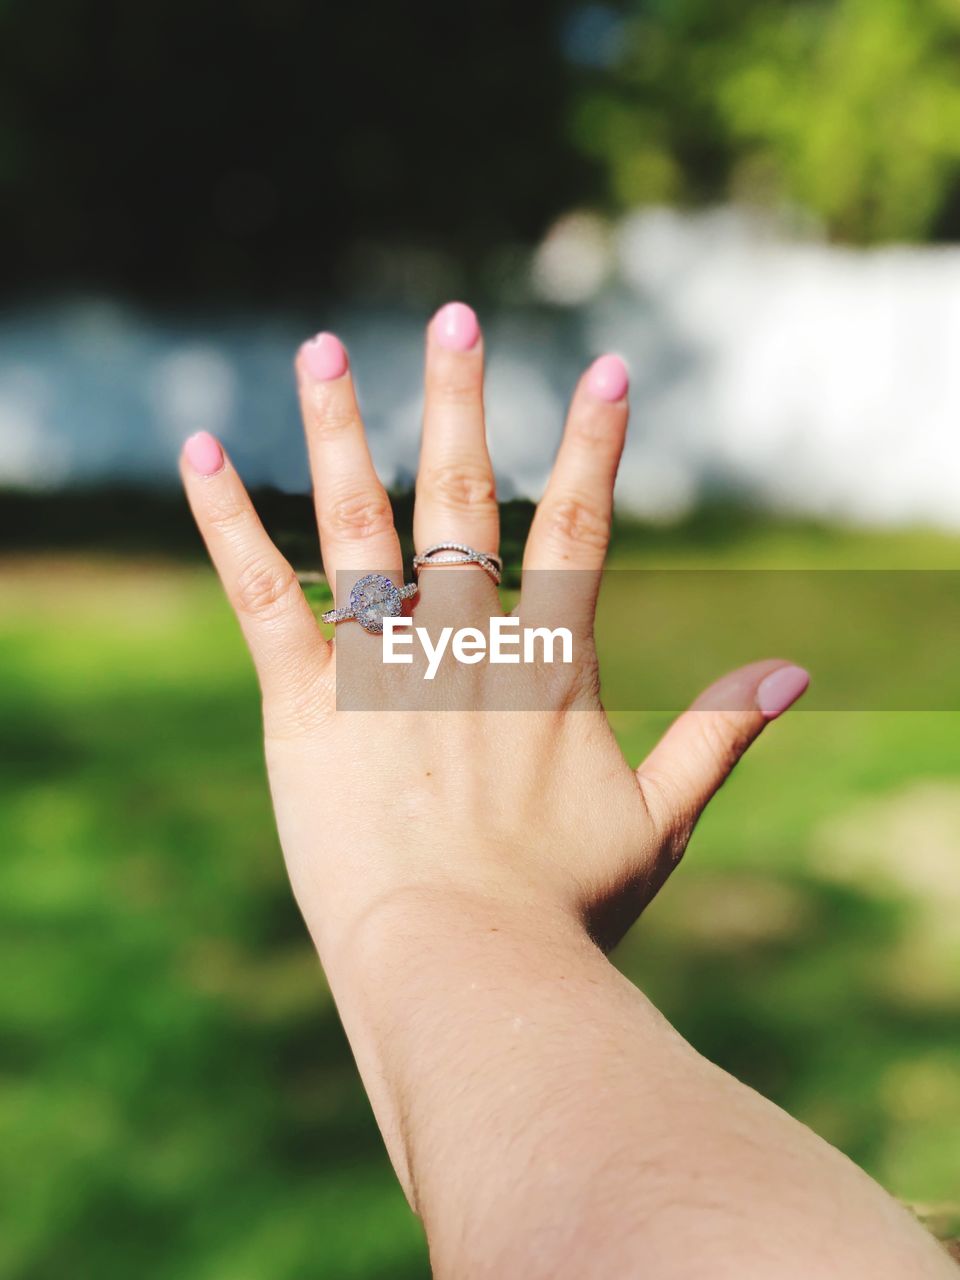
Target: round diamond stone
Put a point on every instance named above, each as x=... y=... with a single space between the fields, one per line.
x=372 y=599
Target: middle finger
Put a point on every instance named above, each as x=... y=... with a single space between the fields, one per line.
x=456 y=495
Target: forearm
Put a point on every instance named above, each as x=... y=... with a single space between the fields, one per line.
x=547 y=1121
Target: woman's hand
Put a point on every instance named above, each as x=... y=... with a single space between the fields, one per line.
x=457 y=861
x=433 y=788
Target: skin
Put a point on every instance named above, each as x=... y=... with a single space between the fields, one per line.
x=543 y=1118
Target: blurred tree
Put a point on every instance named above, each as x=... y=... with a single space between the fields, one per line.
x=855 y=113
x=849 y=109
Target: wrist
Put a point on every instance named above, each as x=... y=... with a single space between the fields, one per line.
x=417 y=962
x=409 y=932
x=368 y=915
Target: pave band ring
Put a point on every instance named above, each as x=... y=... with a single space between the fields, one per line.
x=459 y=553
x=373 y=598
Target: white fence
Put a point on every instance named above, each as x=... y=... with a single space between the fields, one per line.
x=807 y=377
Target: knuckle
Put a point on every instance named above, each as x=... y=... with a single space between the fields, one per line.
x=574 y=519
x=722 y=739
x=332 y=420
x=264 y=589
x=462 y=392
x=227 y=515
x=461 y=486
x=592 y=428
x=359 y=515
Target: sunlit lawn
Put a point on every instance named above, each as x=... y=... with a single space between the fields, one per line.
x=177 y=1099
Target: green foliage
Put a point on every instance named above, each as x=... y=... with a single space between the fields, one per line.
x=849 y=109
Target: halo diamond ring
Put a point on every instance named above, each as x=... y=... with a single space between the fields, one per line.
x=373 y=598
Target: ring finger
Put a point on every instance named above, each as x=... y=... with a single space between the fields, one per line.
x=357 y=535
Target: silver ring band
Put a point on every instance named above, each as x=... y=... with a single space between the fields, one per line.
x=461 y=554
x=346 y=614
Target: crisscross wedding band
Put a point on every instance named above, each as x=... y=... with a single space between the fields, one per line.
x=447 y=553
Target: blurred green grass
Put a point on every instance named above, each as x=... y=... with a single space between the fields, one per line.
x=176 y=1096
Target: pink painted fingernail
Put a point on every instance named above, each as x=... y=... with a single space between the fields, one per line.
x=324 y=357
x=608 y=378
x=780 y=689
x=204 y=454
x=456 y=327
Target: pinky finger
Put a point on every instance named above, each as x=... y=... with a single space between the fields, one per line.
x=277 y=623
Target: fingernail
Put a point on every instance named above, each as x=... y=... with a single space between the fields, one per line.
x=204 y=454
x=456 y=327
x=608 y=378
x=324 y=357
x=780 y=690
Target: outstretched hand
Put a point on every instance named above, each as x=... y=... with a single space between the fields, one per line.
x=411 y=797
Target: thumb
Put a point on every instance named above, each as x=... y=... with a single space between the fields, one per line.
x=699 y=750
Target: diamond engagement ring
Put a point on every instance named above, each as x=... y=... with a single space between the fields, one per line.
x=373 y=598
x=462 y=554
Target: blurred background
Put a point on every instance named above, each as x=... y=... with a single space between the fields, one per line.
x=758 y=204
